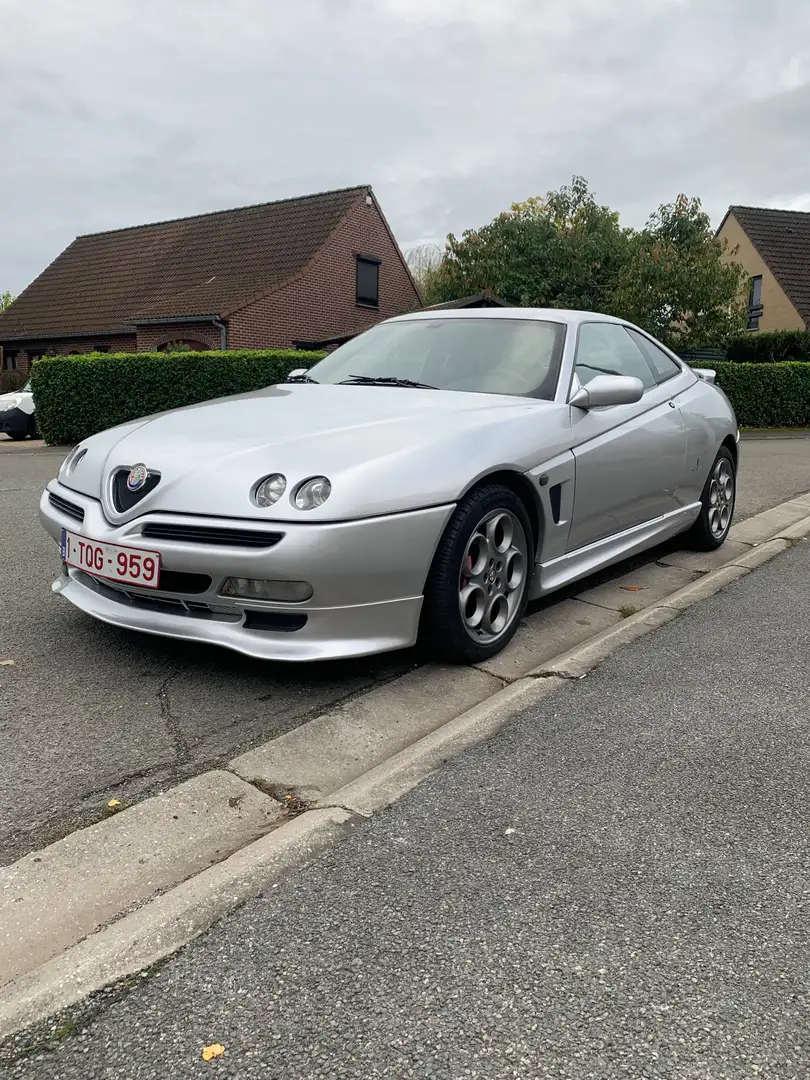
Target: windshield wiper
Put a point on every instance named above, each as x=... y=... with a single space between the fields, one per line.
x=386 y=380
x=300 y=378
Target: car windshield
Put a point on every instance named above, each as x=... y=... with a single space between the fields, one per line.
x=486 y=356
x=27 y=388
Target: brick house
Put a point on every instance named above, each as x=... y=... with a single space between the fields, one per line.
x=271 y=276
x=773 y=246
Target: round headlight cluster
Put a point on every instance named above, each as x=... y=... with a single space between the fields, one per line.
x=312 y=493
x=308 y=495
x=270 y=490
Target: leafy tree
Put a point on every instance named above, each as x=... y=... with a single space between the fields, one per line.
x=6 y=300
x=562 y=250
x=565 y=250
x=676 y=283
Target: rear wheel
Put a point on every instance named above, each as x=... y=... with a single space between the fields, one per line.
x=717 y=505
x=477 y=588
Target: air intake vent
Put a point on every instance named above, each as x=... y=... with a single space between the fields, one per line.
x=203 y=534
x=65 y=507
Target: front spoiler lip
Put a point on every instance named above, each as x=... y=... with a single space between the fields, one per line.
x=330 y=634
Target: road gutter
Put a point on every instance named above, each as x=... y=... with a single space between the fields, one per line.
x=332 y=772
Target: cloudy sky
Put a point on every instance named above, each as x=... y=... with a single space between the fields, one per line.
x=117 y=112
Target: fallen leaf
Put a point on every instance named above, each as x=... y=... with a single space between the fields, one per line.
x=6 y=663
x=213 y=1051
x=633 y=588
x=113 y=804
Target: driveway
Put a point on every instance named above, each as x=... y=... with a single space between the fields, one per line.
x=89 y=712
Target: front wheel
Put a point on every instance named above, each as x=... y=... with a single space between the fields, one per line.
x=477 y=589
x=717 y=505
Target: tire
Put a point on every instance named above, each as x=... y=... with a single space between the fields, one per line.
x=468 y=617
x=18 y=436
x=717 y=505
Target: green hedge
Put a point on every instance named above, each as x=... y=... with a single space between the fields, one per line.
x=770 y=347
x=767 y=395
x=76 y=396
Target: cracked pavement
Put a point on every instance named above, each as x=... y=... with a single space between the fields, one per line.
x=89 y=712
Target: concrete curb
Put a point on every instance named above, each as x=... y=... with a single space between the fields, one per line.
x=166 y=923
x=401 y=758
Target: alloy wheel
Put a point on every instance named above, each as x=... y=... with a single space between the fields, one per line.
x=721 y=498
x=494 y=572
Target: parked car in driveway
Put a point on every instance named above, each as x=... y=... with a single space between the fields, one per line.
x=430 y=477
x=17 y=417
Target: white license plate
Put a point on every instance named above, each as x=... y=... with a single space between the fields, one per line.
x=135 y=566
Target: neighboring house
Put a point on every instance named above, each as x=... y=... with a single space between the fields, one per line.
x=774 y=249
x=266 y=276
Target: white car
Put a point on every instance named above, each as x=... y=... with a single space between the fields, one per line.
x=17 y=418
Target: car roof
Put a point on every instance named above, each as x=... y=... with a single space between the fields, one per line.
x=559 y=315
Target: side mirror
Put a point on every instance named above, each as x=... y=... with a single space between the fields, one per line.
x=299 y=371
x=608 y=390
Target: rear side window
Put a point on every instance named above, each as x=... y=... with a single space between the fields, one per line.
x=663 y=366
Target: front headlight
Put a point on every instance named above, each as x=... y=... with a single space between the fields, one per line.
x=269 y=490
x=312 y=493
x=15 y=403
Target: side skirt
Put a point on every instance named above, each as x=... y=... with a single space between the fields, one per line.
x=553 y=575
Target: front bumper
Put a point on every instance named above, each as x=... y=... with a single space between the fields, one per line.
x=14 y=422
x=367 y=576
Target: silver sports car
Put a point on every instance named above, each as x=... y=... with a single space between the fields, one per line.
x=428 y=478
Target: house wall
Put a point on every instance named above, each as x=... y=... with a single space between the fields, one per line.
x=117 y=343
x=321 y=302
x=151 y=338
x=777 y=311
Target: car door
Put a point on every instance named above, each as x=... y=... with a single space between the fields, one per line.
x=629 y=459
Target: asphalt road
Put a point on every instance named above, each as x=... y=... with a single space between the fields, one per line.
x=617 y=885
x=88 y=712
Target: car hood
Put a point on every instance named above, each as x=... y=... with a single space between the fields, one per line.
x=384 y=449
x=8 y=399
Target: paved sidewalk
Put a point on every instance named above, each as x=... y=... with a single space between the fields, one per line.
x=618 y=885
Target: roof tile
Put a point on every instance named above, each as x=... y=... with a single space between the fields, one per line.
x=210 y=264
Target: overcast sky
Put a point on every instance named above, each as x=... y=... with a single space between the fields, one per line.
x=118 y=112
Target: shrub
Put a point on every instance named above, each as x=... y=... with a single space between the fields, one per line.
x=11 y=380
x=772 y=347
x=77 y=396
x=767 y=395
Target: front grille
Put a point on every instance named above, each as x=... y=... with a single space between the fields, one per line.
x=179 y=581
x=65 y=507
x=274 y=621
x=205 y=534
x=123 y=498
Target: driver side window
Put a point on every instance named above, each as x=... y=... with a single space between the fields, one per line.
x=606 y=349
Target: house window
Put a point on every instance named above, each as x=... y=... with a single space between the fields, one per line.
x=755 y=302
x=9 y=361
x=368 y=281
x=101 y=348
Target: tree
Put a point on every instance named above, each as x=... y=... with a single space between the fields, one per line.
x=423 y=262
x=566 y=250
x=6 y=300
x=562 y=250
x=676 y=284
